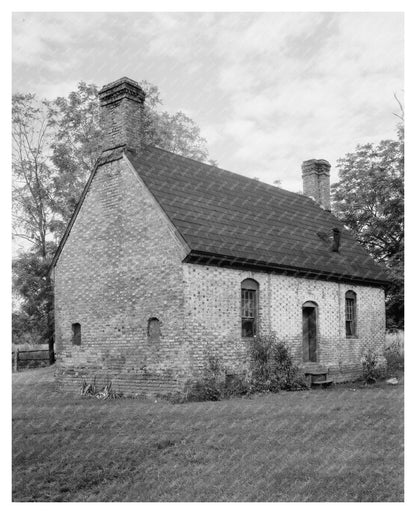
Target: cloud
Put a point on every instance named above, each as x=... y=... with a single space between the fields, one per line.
x=268 y=90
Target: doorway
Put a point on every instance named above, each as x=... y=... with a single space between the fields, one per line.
x=309 y=331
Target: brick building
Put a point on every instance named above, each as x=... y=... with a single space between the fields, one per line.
x=167 y=261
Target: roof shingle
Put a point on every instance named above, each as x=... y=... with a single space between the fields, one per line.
x=238 y=220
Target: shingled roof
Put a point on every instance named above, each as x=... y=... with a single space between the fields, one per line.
x=230 y=220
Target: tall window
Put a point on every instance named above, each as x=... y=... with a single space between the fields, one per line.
x=76 y=334
x=350 y=314
x=249 y=307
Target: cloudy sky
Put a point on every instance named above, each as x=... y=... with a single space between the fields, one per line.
x=268 y=90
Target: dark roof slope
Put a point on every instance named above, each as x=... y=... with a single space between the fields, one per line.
x=230 y=219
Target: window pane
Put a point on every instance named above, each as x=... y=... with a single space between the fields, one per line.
x=248 y=312
x=348 y=328
x=248 y=327
x=350 y=321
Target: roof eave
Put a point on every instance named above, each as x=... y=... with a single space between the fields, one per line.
x=211 y=259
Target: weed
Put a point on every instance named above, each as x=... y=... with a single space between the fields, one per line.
x=394 y=352
x=106 y=393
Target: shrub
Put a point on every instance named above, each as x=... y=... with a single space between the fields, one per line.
x=235 y=385
x=210 y=386
x=272 y=367
x=372 y=367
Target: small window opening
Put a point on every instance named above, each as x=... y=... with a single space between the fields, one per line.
x=249 y=307
x=350 y=314
x=153 y=329
x=76 y=334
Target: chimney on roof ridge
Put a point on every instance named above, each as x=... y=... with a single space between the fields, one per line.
x=121 y=114
x=336 y=239
x=315 y=175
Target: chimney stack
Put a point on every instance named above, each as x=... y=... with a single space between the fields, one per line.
x=315 y=175
x=336 y=239
x=121 y=114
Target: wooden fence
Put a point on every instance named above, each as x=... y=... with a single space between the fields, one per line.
x=24 y=359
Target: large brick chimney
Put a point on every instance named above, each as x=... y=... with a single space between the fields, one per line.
x=121 y=114
x=315 y=175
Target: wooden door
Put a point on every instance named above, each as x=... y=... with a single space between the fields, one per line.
x=309 y=333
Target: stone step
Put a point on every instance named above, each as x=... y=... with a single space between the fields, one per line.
x=322 y=383
x=317 y=377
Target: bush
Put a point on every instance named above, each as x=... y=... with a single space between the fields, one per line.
x=372 y=367
x=210 y=386
x=272 y=367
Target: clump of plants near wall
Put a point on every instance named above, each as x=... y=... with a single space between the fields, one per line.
x=270 y=369
x=394 y=352
x=106 y=393
x=373 y=369
x=390 y=363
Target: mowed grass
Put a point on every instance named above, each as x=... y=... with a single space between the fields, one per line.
x=339 y=444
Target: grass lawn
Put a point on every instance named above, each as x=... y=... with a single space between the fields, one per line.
x=339 y=444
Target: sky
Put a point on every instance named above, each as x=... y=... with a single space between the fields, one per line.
x=268 y=90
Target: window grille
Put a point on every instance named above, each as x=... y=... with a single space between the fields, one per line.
x=350 y=314
x=249 y=310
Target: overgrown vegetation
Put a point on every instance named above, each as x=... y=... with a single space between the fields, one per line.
x=394 y=352
x=270 y=369
x=391 y=362
x=105 y=393
x=372 y=367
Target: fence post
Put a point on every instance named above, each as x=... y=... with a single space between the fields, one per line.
x=16 y=358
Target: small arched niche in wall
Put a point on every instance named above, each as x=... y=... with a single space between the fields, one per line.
x=76 y=334
x=153 y=330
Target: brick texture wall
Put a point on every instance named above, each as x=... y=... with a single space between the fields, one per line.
x=316 y=181
x=212 y=310
x=120 y=266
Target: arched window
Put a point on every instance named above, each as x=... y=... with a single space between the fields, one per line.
x=249 y=307
x=350 y=314
x=76 y=334
x=153 y=329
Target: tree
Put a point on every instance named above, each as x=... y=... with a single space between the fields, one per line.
x=369 y=199
x=33 y=322
x=32 y=171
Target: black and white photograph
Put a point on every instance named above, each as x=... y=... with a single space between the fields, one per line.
x=207 y=269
